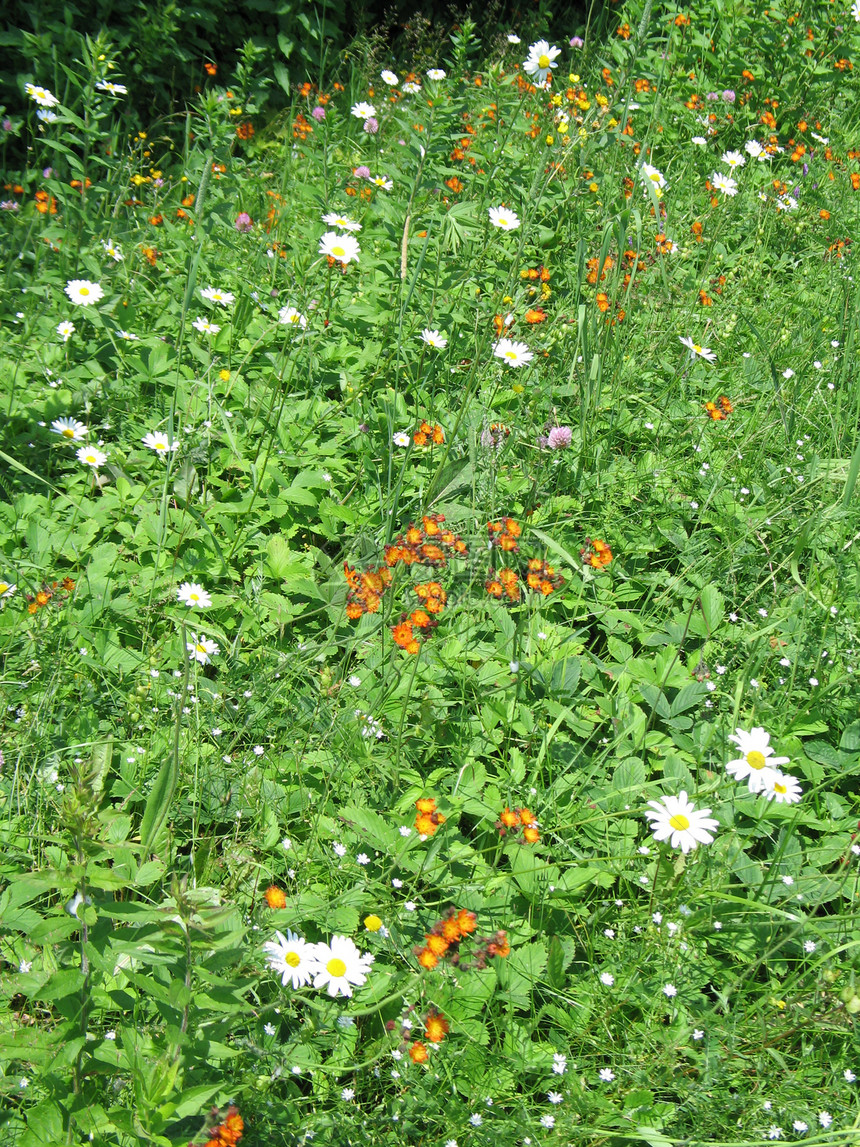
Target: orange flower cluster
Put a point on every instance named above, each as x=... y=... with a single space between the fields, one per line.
x=504 y=534
x=444 y=938
x=596 y=553
x=210 y=69
x=419 y=619
x=428 y=818
x=720 y=410
x=228 y=1133
x=45 y=203
x=81 y=185
x=430 y=544
x=542 y=577
x=430 y=433
x=275 y=897
x=366 y=588
x=511 y=819
x=245 y=130
x=46 y=593
x=302 y=128
x=150 y=254
x=535 y=315
x=593 y=266
x=435 y=1028
x=504 y=582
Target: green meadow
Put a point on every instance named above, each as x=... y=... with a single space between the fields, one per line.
x=430 y=590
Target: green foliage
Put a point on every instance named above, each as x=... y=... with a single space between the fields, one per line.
x=320 y=620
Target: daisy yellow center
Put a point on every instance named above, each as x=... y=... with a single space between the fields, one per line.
x=780 y=788
x=511 y=354
x=339 y=251
x=67 y=432
x=335 y=967
x=200 y=647
x=85 y=290
x=679 y=822
x=293 y=959
x=161 y=446
x=91 y=458
x=543 y=61
x=4 y=585
x=756 y=760
x=503 y=220
x=654 y=177
x=194 y=597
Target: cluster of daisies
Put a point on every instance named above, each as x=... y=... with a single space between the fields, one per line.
x=337 y=966
x=676 y=818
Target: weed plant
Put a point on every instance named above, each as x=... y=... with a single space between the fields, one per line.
x=430 y=597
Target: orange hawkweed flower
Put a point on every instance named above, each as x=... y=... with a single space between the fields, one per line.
x=499 y=945
x=438 y=945
x=451 y=930
x=418 y=1053
x=855 y=181
x=426 y=959
x=210 y=69
x=466 y=921
x=509 y=818
x=598 y=555
x=275 y=897
x=436 y=1027
x=602 y=300
x=531 y=836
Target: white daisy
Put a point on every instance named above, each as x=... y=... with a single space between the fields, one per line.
x=129 y=336
x=649 y=174
x=160 y=443
x=541 y=60
x=69 y=428
x=91 y=457
x=202 y=649
x=333 y=219
x=754 y=149
x=781 y=787
x=440 y=73
x=503 y=219
x=402 y=438
x=411 y=88
x=513 y=353
x=6 y=589
x=381 y=181
x=289 y=316
x=513 y=38
x=112 y=88
x=733 y=159
x=341 y=966
x=341 y=247
x=389 y=78
x=65 y=330
x=202 y=324
x=112 y=250
x=678 y=819
x=363 y=110
x=216 y=295
x=724 y=183
x=697 y=351
x=434 y=339
x=192 y=594
x=83 y=292
x=41 y=96
x=293 y=958
x=756 y=762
